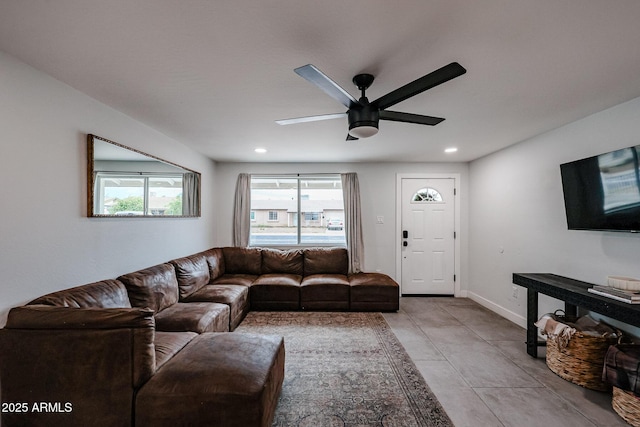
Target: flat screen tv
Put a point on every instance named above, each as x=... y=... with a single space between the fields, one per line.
x=603 y=192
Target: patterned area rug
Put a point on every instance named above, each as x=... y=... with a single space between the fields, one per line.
x=346 y=369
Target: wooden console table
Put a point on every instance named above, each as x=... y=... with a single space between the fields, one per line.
x=574 y=294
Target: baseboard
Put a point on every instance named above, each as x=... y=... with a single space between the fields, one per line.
x=507 y=314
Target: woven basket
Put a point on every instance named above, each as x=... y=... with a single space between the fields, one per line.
x=581 y=361
x=627 y=405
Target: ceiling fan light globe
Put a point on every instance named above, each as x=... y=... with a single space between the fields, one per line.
x=363 y=131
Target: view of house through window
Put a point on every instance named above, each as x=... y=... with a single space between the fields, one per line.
x=138 y=194
x=290 y=210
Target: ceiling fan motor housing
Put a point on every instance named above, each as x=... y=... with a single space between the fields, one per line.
x=365 y=116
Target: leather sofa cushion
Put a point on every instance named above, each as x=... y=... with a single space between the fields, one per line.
x=325 y=292
x=276 y=292
x=278 y=280
x=192 y=273
x=326 y=261
x=242 y=260
x=154 y=287
x=103 y=294
x=235 y=296
x=235 y=279
x=215 y=260
x=168 y=344
x=277 y=261
x=223 y=293
x=325 y=279
x=194 y=317
x=373 y=280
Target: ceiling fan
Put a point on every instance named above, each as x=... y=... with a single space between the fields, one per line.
x=364 y=115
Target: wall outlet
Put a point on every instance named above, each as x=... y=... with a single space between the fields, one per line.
x=515 y=291
x=380 y=219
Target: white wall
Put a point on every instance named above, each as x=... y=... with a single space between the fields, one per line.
x=517 y=218
x=46 y=241
x=378 y=198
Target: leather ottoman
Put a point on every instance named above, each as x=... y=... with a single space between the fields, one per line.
x=374 y=292
x=218 y=379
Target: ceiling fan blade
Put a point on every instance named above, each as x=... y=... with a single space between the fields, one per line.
x=397 y=116
x=432 y=79
x=328 y=86
x=351 y=138
x=310 y=119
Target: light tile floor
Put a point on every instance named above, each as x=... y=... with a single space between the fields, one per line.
x=476 y=363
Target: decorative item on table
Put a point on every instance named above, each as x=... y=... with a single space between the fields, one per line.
x=626 y=283
x=622 y=363
x=576 y=348
x=618 y=294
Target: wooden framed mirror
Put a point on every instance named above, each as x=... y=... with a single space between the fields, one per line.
x=124 y=182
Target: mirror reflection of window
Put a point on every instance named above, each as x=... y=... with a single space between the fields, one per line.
x=129 y=195
x=126 y=182
x=119 y=195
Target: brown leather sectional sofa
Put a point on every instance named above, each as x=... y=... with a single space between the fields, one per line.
x=151 y=347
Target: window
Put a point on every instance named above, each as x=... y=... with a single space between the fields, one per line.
x=296 y=210
x=427 y=195
x=127 y=194
x=312 y=216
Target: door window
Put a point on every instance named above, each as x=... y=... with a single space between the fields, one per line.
x=427 y=195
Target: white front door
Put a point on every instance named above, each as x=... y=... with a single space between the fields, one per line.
x=428 y=229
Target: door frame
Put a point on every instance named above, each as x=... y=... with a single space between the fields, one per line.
x=456 y=218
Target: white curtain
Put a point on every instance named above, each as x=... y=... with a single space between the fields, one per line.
x=191 y=192
x=352 y=221
x=242 y=211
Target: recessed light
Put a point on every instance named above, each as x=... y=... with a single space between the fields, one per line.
x=261 y=150
x=451 y=150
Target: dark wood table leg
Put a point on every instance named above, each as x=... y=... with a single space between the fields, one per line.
x=532 y=317
x=570 y=309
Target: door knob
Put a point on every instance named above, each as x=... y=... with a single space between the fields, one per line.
x=405 y=243
x=405 y=234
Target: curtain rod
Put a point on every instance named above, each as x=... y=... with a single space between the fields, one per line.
x=294 y=175
x=137 y=173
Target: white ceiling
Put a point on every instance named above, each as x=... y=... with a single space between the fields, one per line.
x=216 y=74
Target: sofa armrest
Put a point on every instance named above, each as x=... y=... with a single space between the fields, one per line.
x=52 y=317
x=94 y=360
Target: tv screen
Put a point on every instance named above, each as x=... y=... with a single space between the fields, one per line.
x=603 y=192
